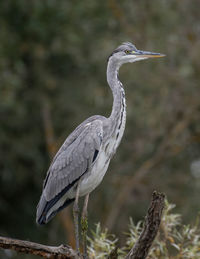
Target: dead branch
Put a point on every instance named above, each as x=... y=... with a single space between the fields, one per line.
x=139 y=251
x=53 y=252
x=150 y=229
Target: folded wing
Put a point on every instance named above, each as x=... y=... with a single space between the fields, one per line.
x=74 y=159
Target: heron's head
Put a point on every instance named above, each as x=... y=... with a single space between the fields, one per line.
x=127 y=52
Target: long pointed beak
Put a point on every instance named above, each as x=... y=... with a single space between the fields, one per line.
x=148 y=54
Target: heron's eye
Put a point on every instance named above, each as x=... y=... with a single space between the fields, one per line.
x=127 y=51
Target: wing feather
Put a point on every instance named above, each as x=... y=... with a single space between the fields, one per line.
x=73 y=160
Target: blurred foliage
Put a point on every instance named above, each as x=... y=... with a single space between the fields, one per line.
x=101 y=244
x=173 y=241
x=52 y=76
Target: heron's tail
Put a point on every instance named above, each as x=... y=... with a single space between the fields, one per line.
x=46 y=210
x=41 y=213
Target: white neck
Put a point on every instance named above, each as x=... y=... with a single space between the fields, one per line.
x=119 y=104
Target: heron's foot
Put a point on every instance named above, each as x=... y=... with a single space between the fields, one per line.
x=84 y=228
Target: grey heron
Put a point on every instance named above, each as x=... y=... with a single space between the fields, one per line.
x=82 y=161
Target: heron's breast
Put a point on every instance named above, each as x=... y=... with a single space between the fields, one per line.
x=94 y=177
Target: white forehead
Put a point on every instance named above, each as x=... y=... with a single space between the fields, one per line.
x=120 y=49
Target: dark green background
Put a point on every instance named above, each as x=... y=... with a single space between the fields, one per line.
x=52 y=76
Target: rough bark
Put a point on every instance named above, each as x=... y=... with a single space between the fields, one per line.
x=151 y=226
x=60 y=252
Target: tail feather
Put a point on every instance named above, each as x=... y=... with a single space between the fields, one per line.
x=46 y=210
x=59 y=202
x=40 y=215
x=44 y=218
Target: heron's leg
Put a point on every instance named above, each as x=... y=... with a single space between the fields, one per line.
x=84 y=226
x=76 y=214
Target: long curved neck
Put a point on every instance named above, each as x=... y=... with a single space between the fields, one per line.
x=119 y=104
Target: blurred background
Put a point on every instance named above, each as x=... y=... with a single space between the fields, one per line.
x=53 y=58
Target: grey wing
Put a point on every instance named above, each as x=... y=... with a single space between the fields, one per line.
x=71 y=162
x=74 y=161
x=73 y=136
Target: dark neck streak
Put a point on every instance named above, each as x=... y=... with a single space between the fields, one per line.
x=119 y=105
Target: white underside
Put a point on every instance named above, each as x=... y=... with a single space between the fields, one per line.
x=93 y=178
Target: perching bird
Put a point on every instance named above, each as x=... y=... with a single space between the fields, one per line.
x=82 y=161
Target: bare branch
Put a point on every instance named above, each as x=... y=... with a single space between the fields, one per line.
x=150 y=229
x=61 y=252
x=139 y=251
